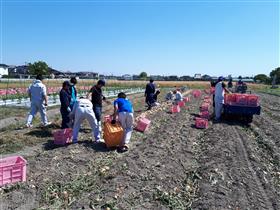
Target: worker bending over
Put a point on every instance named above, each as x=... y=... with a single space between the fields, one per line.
x=123 y=108
x=169 y=96
x=83 y=110
x=178 y=96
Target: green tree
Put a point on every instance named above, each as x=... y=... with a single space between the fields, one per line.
x=277 y=73
x=39 y=67
x=143 y=75
x=262 y=78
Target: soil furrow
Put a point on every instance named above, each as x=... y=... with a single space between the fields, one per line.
x=172 y=166
x=261 y=194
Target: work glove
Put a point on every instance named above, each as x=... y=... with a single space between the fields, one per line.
x=68 y=109
x=113 y=122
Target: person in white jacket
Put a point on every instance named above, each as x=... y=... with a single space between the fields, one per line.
x=83 y=110
x=220 y=89
x=37 y=92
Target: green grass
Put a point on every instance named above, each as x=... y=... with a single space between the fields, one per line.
x=6 y=112
x=13 y=111
x=271 y=91
x=266 y=89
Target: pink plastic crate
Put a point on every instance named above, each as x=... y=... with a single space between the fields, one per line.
x=201 y=123
x=196 y=93
x=175 y=109
x=181 y=103
x=204 y=115
x=253 y=100
x=186 y=99
x=204 y=107
x=207 y=101
x=230 y=98
x=241 y=99
x=63 y=136
x=143 y=124
x=12 y=170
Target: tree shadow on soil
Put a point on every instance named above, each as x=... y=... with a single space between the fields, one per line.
x=194 y=115
x=232 y=120
x=43 y=132
x=49 y=145
x=98 y=147
x=237 y=122
x=40 y=133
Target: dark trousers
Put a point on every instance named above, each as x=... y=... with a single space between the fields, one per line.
x=98 y=112
x=150 y=100
x=65 y=118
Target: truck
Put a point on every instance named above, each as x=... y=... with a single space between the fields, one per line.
x=241 y=106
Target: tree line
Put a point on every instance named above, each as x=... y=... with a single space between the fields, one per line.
x=263 y=78
x=41 y=67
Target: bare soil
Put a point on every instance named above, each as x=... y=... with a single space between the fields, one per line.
x=172 y=166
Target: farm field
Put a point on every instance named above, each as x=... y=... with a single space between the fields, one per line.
x=172 y=166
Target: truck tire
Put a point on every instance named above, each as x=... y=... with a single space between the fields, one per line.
x=249 y=119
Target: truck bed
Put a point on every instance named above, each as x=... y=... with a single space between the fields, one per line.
x=242 y=110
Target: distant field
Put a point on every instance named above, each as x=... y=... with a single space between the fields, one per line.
x=271 y=91
x=16 y=88
x=110 y=83
x=116 y=83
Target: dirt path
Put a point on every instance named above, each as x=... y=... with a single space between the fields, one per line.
x=240 y=164
x=172 y=166
x=230 y=179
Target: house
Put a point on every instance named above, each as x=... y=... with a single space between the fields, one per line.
x=172 y=78
x=18 y=71
x=3 y=70
x=186 y=78
x=112 y=77
x=136 y=77
x=55 y=72
x=87 y=75
x=197 y=76
x=127 y=77
x=244 y=80
x=206 y=77
x=214 y=78
x=157 y=77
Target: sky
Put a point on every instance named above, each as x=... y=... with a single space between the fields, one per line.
x=164 y=37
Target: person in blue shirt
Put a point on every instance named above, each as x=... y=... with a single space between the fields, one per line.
x=123 y=108
x=73 y=91
x=65 y=100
